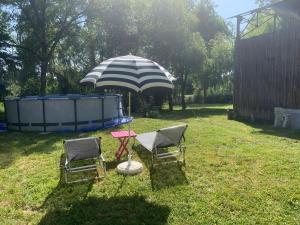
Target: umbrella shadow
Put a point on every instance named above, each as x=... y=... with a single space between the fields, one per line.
x=163 y=175
x=14 y=145
x=125 y=210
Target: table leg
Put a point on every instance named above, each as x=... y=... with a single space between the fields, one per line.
x=122 y=148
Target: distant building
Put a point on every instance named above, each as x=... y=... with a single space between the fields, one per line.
x=267 y=66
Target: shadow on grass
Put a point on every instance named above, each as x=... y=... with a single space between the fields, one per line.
x=17 y=144
x=64 y=195
x=192 y=113
x=162 y=176
x=133 y=210
x=69 y=204
x=269 y=129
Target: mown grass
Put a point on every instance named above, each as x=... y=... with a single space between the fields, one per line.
x=236 y=173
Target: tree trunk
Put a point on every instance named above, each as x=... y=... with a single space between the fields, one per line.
x=204 y=95
x=41 y=18
x=183 y=87
x=44 y=68
x=170 y=99
x=92 y=55
x=183 y=104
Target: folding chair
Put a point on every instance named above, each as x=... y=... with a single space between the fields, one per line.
x=164 y=138
x=88 y=149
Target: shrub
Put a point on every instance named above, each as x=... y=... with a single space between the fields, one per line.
x=220 y=98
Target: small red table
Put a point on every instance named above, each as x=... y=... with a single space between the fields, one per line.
x=123 y=137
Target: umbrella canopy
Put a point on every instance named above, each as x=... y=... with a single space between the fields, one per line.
x=130 y=72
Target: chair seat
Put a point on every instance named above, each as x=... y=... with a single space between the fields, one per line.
x=158 y=142
x=147 y=140
x=88 y=149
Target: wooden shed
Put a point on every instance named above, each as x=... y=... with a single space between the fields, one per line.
x=267 y=67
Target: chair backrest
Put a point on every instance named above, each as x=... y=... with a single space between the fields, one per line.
x=82 y=148
x=170 y=136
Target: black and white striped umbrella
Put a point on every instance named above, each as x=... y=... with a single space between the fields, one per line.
x=130 y=72
x=133 y=73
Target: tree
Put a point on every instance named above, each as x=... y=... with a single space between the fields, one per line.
x=45 y=23
x=171 y=40
x=59 y=41
x=190 y=61
x=8 y=59
x=219 y=63
x=210 y=25
x=266 y=2
x=209 y=22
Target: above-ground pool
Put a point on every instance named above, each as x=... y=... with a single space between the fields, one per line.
x=64 y=113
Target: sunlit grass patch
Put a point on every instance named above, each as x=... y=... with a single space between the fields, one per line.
x=235 y=173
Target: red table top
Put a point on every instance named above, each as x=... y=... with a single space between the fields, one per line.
x=122 y=134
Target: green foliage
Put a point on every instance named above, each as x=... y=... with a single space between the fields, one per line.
x=193 y=54
x=14 y=89
x=153 y=113
x=215 y=95
x=31 y=87
x=63 y=40
x=222 y=98
x=210 y=23
x=40 y=27
x=2 y=111
x=221 y=52
x=235 y=173
x=266 y=2
x=218 y=66
x=8 y=60
x=264 y=23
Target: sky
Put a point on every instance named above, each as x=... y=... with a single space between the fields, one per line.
x=229 y=8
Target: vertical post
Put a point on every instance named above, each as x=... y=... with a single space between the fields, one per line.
x=118 y=108
x=236 y=63
x=44 y=115
x=129 y=104
x=18 y=111
x=129 y=136
x=238 y=28
x=75 y=113
x=102 y=111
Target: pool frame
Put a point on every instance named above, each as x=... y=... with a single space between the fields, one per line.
x=101 y=122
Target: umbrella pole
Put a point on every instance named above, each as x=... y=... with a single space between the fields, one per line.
x=129 y=167
x=129 y=114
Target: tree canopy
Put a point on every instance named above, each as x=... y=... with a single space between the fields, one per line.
x=58 y=41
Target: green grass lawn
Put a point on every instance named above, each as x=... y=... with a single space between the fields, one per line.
x=236 y=173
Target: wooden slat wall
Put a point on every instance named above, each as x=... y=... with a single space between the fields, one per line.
x=267 y=72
